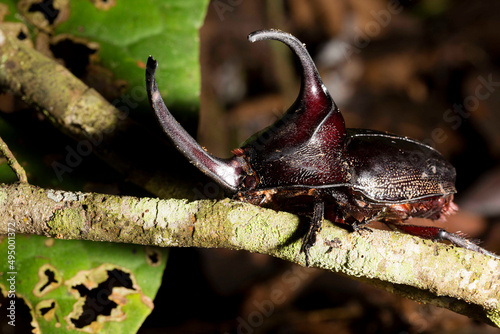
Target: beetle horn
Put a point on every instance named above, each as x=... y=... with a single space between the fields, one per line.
x=227 y=172
x=313 y=92
x=314 y=114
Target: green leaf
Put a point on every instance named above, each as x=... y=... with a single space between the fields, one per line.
x=70 y=284
x=128 y=32
x=11 y=10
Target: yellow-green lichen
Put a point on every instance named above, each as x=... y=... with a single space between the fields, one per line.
x=144 y=211
x=494 y=316
x=66 y=223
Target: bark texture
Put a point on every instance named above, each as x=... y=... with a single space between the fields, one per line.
x=463 y=281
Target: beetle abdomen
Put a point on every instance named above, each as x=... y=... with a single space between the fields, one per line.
x=389 y=168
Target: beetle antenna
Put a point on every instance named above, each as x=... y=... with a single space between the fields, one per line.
x=312 y=89
x=227 y=172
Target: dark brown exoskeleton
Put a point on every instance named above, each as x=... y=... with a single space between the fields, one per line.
x=308 y=162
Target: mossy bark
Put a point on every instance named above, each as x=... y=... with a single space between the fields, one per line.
x=463 y=281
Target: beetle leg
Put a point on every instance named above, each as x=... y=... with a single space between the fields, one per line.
x=464 y=243
x=359 y=226
x=436 y=233
x=314 y=229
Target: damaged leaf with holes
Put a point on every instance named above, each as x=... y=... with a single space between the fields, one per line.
x=113 y=294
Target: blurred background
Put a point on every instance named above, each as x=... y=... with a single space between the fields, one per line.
x=424 y=69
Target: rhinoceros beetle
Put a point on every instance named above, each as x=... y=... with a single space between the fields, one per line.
x=308 y=162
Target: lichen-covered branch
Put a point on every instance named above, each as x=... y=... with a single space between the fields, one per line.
x=426 y=271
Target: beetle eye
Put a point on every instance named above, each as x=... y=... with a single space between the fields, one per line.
x=250 y=181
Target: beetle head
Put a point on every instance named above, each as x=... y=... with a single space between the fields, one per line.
x=303 y=147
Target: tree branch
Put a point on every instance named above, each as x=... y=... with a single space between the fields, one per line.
x=12 y=161
x=460 y=280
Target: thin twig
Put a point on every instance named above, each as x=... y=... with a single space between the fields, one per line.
x=12 y=161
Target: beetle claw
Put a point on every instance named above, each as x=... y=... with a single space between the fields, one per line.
x=361 y=229
x=359 y=226
x=305 y=249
